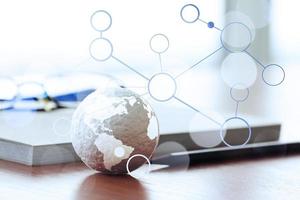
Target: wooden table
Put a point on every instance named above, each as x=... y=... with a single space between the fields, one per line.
x=261 y=178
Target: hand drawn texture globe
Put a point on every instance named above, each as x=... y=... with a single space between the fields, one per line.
x=111 y=125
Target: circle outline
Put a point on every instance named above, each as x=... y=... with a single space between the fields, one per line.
x=137 y=155
x=163 y=35
x=268 y=66
x=239 y=145
x=243 y=99
x=245 y=48
x=111 y=49
x=168 y=75
x=101 y=11
x=229 y=64
x=198 y=13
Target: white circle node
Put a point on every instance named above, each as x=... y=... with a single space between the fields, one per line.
x=101 y=49
x=236 y=37
x=239 y=93
x=101 y=20
x=241 y=126
x=135 y=156
x=239 y=68
x=162 y=87
x=159 y=43
x=273 y=75
x=190 y=13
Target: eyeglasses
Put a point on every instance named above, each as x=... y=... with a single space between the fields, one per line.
x=53 y=92
x=37 y=96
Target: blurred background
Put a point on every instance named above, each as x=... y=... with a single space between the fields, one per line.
x=43 y=38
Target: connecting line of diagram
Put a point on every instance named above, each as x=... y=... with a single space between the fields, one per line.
x=210 y=24
x=162 y=86
x=131 y=68
x=160 y=63
x=197 y=63
x=178 y=99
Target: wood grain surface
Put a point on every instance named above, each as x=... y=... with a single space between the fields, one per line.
x=263 y=178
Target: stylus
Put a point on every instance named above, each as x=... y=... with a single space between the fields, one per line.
x=225 y=153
